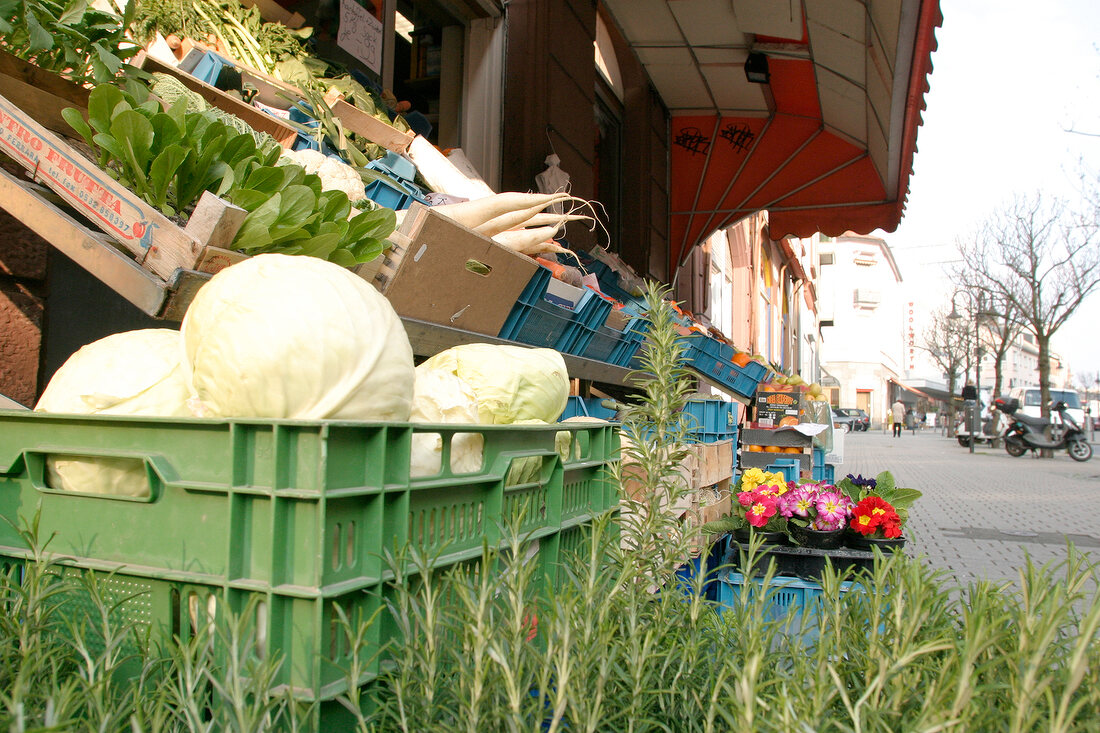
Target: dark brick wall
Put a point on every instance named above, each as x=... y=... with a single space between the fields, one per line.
x=23 y=256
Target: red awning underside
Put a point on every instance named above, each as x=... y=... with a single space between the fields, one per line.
x=809 y=178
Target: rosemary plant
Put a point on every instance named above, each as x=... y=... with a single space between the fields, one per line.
x=604 y=638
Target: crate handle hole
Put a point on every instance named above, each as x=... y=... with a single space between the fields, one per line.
x=467 y=454
x=336 y=547
x=261 y=629
x=350 y=545
x=478 y=268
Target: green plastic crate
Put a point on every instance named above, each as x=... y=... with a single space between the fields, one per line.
x=296 y=514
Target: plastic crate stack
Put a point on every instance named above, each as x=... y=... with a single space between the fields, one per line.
x=542 y=318
x=793 y=601
x=587 y=407
x=711 y=420
x=714 y=359
x=290 y=519
x=786 y=451
x=397 y=191
x=575 y=324
x=617 y=344
x=822 y=471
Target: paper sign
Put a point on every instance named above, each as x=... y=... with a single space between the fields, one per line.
x=360 y=34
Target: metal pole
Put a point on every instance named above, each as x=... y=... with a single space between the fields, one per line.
x=974 y=420
x=973 y=407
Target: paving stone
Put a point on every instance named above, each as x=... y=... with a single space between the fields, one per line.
x=983 y=514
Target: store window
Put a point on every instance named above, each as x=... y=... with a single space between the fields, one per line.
x=427 y=70
x=721 y=283
x=608 y=167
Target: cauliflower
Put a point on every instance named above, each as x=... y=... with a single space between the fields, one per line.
x=335 y=174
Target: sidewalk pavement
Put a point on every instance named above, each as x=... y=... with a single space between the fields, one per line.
x=983 y=514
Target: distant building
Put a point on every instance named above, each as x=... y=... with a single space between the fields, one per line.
x=1020 y=367
x=760 y=293
x=861 y=307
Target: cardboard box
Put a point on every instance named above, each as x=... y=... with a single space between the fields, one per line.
x=779 y=405
x=441 y=272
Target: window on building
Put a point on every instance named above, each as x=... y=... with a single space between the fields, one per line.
x=721 y=284
x=608 y=166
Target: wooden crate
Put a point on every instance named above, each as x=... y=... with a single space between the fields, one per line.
x=715 y=462
x=154 y=240
x=708 y=504
x=41 y=94
x=285 y=134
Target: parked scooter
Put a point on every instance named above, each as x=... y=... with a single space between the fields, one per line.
x=1026 y=433
x=992 y=430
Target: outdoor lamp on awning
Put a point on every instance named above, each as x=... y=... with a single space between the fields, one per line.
x=756 y=68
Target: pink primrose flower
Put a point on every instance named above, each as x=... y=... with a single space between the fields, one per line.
x=760 y=511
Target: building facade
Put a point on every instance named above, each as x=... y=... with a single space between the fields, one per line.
x=862 y=322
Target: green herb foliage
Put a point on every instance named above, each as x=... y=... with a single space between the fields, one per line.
x=171 y=156
x=240 y=29
x=70 y=38
x=605 y=640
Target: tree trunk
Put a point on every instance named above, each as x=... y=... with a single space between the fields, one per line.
x=951 y=405
x=998 y=373
x=1043 y=341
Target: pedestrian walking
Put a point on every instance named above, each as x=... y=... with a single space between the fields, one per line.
x=898 y=412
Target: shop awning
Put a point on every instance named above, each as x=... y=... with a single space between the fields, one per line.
x=826 y=145
x=914 y=390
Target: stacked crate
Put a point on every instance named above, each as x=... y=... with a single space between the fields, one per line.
x=288 y=520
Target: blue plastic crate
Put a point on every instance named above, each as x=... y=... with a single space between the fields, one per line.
x=592 y=312
x=394 y=165
x=538 y=322
x=707 y=563
x=788 y=599
x=384 y=193
x=789 y=467
x=587 y=407
x=711 y=415
x=604 y=344
x=742 y=380
x=210 y=67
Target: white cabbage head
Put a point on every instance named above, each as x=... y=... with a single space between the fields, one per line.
x=511 y=383
x=130 y=373
x=278 y=336
x=441 y=397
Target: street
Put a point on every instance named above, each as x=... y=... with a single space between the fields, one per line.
x=982 y=513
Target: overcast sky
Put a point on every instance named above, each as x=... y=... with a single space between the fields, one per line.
x=1009 y=78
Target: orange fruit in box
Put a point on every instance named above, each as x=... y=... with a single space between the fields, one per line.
x=741 y=358
x=792 y=449
x=772 y=449
x=754 y=448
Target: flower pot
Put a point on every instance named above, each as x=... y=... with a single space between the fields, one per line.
x=861 y=542
x=816 y=538
x=770 y=538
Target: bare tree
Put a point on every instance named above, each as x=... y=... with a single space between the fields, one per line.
x=1040 y=258
x=946 y=341
x=1001 y=327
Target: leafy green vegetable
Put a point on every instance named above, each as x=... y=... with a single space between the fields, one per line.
x=171 y=156
x=70 y=38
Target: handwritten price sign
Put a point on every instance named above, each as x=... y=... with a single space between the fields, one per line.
x=360 y=34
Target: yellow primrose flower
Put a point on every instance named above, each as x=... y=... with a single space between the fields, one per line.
x=753 y=475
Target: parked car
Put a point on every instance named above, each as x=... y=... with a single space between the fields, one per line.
x=842 y=421
x=860 y=419
x=1030 y=401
